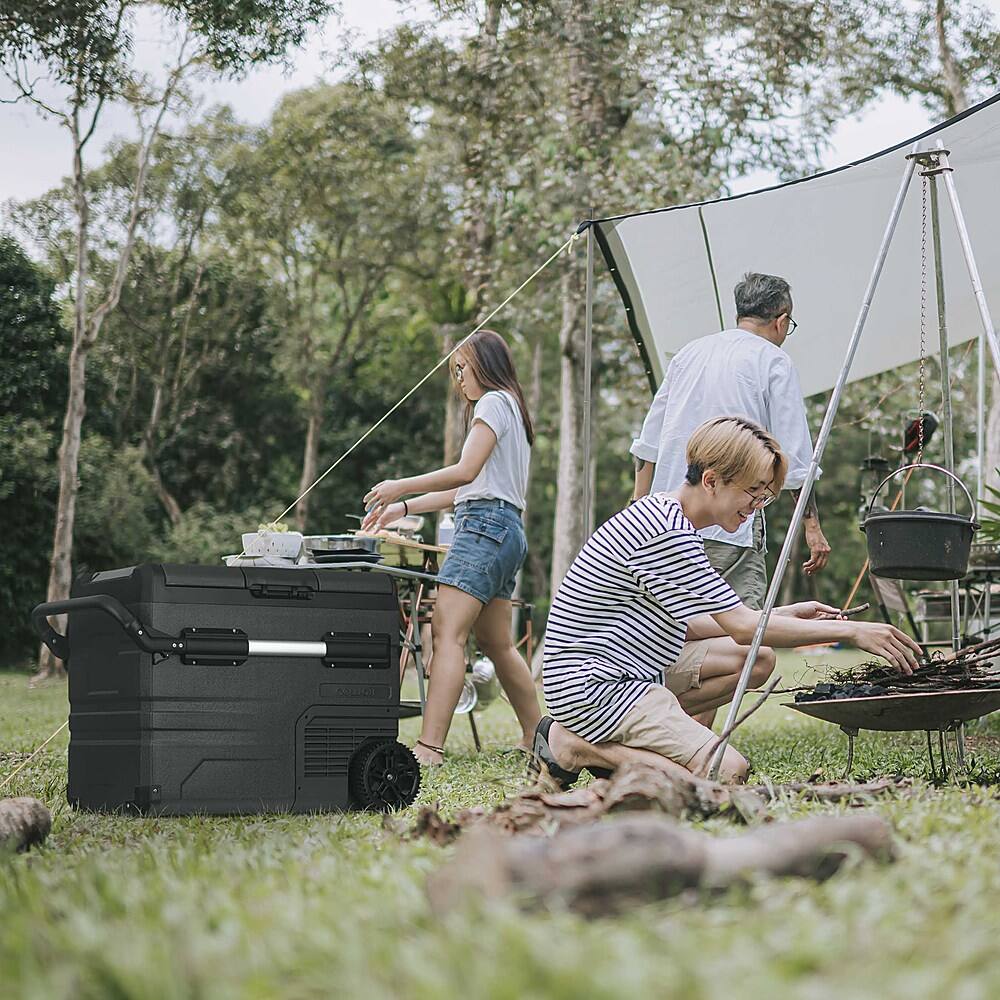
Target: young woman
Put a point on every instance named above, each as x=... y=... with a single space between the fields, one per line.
x=621 y=682
x=487 y=489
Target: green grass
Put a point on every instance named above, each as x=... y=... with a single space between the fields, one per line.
x=330 y=906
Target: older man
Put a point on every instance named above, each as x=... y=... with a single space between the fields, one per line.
x=739 y=372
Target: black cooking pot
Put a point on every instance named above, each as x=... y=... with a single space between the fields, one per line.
x=919 y=544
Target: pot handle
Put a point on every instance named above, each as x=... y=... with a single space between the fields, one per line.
x=923 y=465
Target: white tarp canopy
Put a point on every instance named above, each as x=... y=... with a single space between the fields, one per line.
x=822 y=234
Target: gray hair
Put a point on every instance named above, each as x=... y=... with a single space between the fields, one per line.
x=762 y=296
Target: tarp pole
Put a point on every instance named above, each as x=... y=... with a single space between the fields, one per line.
x=989 y=330
x=932 y=166
x=980 y=421
x=806 y=490
x=588 y=347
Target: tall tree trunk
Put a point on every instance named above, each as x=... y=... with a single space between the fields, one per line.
x=61 y=560
x=86 y=329
x=585 y=103
x=148 y=453
x=310 y=456
x=534 y=401
x=479 y=231
x=956 y=99
x=61 y=563
x=454 y=424
x=568 y=523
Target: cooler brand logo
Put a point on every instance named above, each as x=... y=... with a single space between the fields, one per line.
x=355 y=692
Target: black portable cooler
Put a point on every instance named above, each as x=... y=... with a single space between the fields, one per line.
x=215 y=689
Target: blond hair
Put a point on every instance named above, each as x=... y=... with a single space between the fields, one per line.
x=738 y=450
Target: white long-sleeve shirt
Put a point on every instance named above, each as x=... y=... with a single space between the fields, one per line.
x=734 y=373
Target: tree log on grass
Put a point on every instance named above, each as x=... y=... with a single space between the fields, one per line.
x=605 y=868
x=634 y=788
x=24 y=822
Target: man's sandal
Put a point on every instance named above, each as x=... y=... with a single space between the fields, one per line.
x=543 y=762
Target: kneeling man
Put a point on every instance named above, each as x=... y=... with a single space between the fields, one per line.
x=616 y=679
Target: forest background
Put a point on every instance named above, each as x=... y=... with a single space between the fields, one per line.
x=221 y=309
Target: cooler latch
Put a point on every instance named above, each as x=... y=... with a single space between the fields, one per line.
x=281 y=591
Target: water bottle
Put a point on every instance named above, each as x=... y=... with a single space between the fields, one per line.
x=445 y=528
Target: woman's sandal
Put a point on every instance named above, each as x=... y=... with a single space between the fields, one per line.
x=433 y=749
x=542 y=759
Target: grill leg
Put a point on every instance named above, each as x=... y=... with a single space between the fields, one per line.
x=960 y=745
x=944 y=753
x=850 y=734
x=475 y=732
x=930 y=757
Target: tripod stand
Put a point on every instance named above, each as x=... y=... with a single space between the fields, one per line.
x=935 y=166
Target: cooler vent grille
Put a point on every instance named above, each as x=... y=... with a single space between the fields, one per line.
x=328 y=749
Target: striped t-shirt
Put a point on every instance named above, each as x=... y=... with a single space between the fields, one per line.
x=619 y=618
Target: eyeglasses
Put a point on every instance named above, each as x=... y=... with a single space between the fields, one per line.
x=792 y=326
x=459 y=369
x=760 y=500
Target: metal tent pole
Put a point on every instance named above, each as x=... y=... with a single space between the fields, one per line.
x=824 y=434
x=989 y=330
x=980 y=420
x=588 y=347
x=931 y=162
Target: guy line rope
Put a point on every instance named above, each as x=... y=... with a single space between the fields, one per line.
x=385 y=416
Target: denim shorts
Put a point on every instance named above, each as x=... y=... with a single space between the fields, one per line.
x=486 y=551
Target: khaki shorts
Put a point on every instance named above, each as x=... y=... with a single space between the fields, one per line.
x=685 y=674
x=657 y=722
x=743 y=569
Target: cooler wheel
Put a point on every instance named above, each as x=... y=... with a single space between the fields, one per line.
x=384 y=776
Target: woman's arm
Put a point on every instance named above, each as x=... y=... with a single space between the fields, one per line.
x=381 y=517
x=478 y=447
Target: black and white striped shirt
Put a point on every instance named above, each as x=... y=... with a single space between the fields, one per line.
x=619 y=618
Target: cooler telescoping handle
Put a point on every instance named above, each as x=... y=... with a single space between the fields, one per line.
x=207 y=645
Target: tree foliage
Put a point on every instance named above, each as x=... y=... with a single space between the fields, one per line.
x=287 y=283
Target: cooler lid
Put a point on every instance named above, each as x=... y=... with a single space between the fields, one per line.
x=203 y=576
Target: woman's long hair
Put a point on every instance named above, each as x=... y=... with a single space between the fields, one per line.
x=490 y=359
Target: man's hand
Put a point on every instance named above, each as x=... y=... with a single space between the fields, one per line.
x=819 y=547
x=810 y=610
x=888 y=642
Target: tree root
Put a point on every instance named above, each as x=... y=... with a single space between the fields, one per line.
x=24 y=822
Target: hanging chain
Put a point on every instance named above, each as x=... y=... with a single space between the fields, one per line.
x=921 y=378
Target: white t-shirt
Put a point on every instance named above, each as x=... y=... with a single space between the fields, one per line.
x=505 y=474
x=734 y=373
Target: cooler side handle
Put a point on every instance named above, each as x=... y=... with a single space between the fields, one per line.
x=97 y=602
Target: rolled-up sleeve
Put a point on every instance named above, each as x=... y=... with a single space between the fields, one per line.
x=788 y=422
x=647 y=445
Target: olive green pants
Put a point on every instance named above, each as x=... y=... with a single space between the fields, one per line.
x=742 y=568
